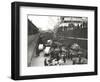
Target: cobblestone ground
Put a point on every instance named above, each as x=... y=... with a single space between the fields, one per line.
x=38 y=61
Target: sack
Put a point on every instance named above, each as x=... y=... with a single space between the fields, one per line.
x=47 y=50
x=40 y=47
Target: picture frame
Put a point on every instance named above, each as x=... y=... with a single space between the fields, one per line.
x=20 y=13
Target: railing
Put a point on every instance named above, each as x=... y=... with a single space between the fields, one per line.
x=62 y=38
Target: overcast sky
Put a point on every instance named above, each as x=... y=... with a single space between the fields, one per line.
x=44 y=22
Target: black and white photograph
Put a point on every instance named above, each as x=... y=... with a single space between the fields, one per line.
x=53 y=40
x=57 y=40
